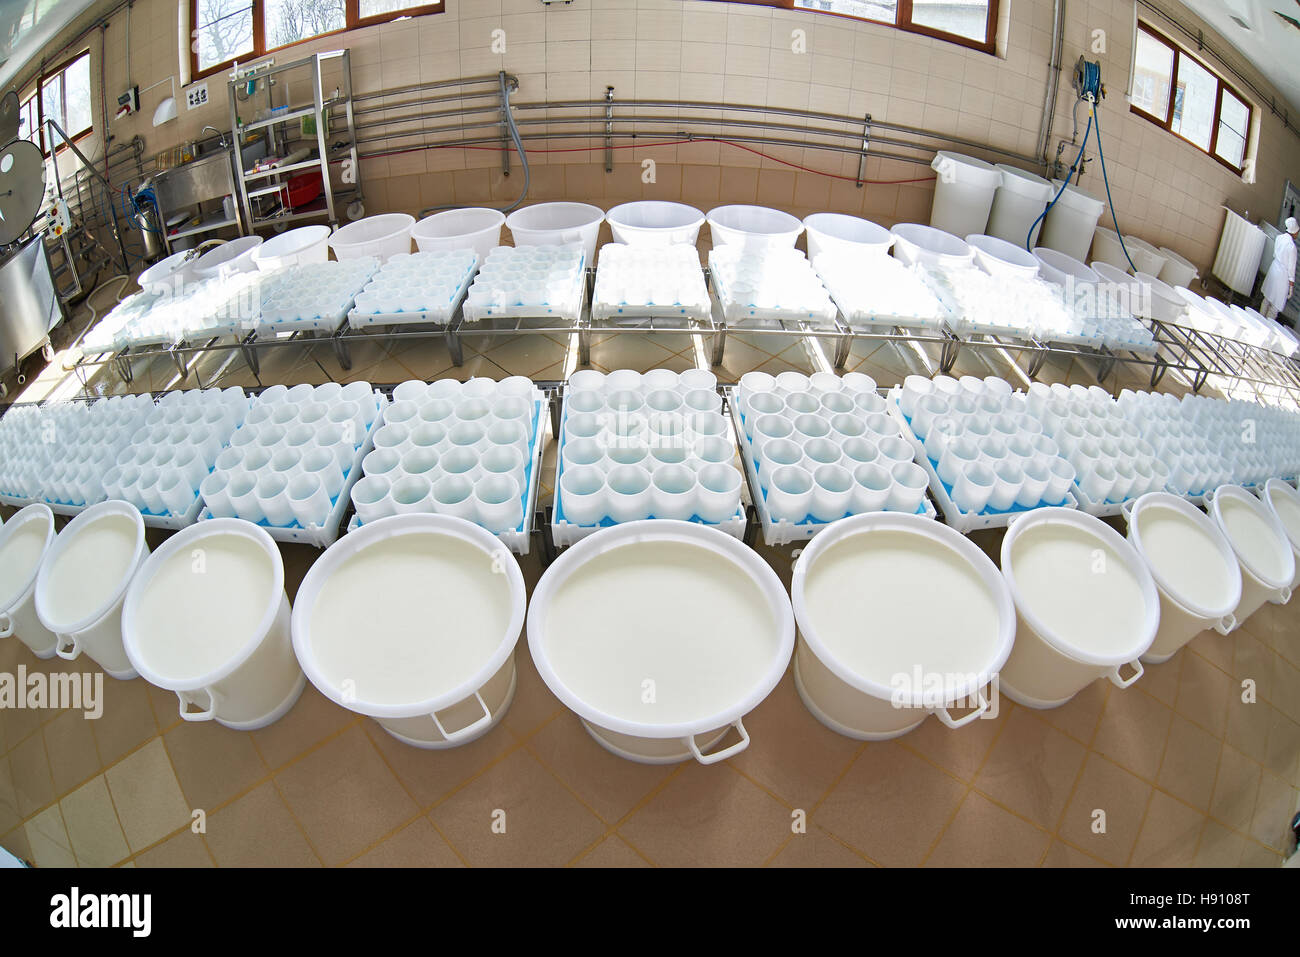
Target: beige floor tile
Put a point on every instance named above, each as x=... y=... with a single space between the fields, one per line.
x=1253 y=660
x=310 y=721
x=961 y=752
x=10 y=817
x=891 y=805
x=429 y=776
x=1132 y=733
x=817 y=848
x=1161 y=681
x=30 y=766
x=1274 y=810
x=1121 y=796
x=1060 y=854
x=92 y=825
x=629 y=351
x=48 y=841
x=1203 y=691
x=534 y=703
x=345 y=796
x=128 y=719
x=17 y=844
x=613 y=851
x=1247 y=727
x=1215 y=648
x=527 y=354
x=416 y=845
x=544 y=824
x=1257 y=855
x=611 y=786
x=70 y=740
x=1189 y=765
x=212 y=763
x=985 y=835
x=258 y=831
x=184 y=849
x=1031 y=768
x=1080 y=716
x=147 y=796
x=1286 y=687
x=1169 y=833
x=1235 y=789
x=1282 y=747
x=792 y=754
x=1219 y=847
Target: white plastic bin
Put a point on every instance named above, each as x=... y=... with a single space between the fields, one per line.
x=1146 y=258
x=1176 y=271
x=1062 y=269
x=1069 y=226
x=1162 y=303
x=382 y=236
x=963 y=193
x=899 y=617
x=474 y=228
x=661 y=635
x=24 y=540
x=1283 y=501
x=1019 y=200
x=655 y=223
x=1086 y=603
x=207 y=618
x=83 y=581
x=914 y=243
x=293 y=247
x=1106 y=248
x=753 y=226
x=167 y=274
x=1001 y=258
x=1193 y=566
x=227 y=259
x=846 y=234
x=413 y=620
x=1260 y=543
x=558 y=224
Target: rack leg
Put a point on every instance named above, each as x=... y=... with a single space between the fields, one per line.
x=455 y=348
x=948 y=355
x=719 y=344
x=343 y=352
x=842 y=347
x=1037 y=360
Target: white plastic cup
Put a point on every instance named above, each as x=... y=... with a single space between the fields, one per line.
x=1059 y=482
x=872 y=484
x=673 y=493
x=370 y=497
x=498 y=503
x=308 y=501
x=908 y=489
x=582 y=497
x=832 y=493
x=719 y=492
x=628 y=493
x=175 y=491
x=777 y=454
x=789 y=494
x=215 y=490
x=1009 y=481
x=1036 y=474
x=973 y=488
x=273 y=499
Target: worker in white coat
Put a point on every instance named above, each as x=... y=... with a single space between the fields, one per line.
x=1280 y=278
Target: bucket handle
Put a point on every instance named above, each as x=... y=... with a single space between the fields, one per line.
x=1127 y=510
x=186 y=699
x=1119 y=682
x=74 y=651
x=6 y=625
x=453 y=736
x=1226 y=624
x=1282 y=595
x=954 y=723
x=725 y=753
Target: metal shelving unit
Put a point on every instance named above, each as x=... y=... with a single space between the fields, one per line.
x=263 y=193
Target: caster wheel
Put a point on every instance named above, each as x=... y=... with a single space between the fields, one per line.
x=280 y=227
x=47 y=352
x=356 y=209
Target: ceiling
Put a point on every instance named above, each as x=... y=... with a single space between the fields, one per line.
x=1265 y=39
x=26 y=26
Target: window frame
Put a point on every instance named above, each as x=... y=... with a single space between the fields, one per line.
x=352 y=20
x=1167 y=123
x=38 y=96
x=903 y=22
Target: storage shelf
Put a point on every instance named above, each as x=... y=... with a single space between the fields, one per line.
x=291 y=168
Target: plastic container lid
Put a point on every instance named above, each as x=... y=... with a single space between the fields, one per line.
x=966 y=169
x=1024 y=183
x=1204 y=542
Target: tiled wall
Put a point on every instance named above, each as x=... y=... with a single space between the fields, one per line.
x=1165 y=190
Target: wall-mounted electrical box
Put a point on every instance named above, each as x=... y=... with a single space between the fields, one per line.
x=128 y=102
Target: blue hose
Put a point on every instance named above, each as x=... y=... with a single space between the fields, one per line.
x=1110 y=202
x=1069 y=174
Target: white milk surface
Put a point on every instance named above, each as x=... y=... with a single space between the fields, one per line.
x=1080 y=589
x=887 y=602
x=198 y=611
x=409 y=618
x=660 y=633
x=19 y=556
x=90 y=569
x=1186 y=557
x=1254 y=537
x=1288 y=511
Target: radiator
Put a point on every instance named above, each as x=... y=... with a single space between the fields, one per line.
x=1237 y=262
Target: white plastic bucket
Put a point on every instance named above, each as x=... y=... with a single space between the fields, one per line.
x=963 y=193
x=837 y=232
x=1146 y=258
x=1106 y=248
x=899 y=617
x=557 y=224
x=1019 y=200
x=753 y=226
x=24 y=540
x=1086 y=606
x=1062 y=269
x=83 y=581
x=687 y=608
x=1284 y=502
x=1069 y=225
x=207 y=618
x=1001 y=258
x=164 y=275
x=413 y=620
x=1176 y=271
x=474 y=228
x=382 y=236
x=655 y=223
x=227 y=259
x=293 y=247
x=1193 y=566
x=1164 y=302
x=914 y=243
x=1260 y=544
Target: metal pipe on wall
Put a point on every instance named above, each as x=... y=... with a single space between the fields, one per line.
x=1053 y=80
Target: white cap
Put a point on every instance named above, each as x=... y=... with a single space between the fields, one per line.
x=1291 y=225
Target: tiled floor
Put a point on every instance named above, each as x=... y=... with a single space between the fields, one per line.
x=1185 y=771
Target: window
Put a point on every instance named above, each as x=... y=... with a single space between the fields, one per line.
x=230 y=30
x=61 y=95
x=972 y=23
x=1174 y=90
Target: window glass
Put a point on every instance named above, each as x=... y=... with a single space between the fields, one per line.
x=288 y=21
x=1153 y=71
x=1234 y=127
x=1194 y=101
x=962 y=18
x=224 y=31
